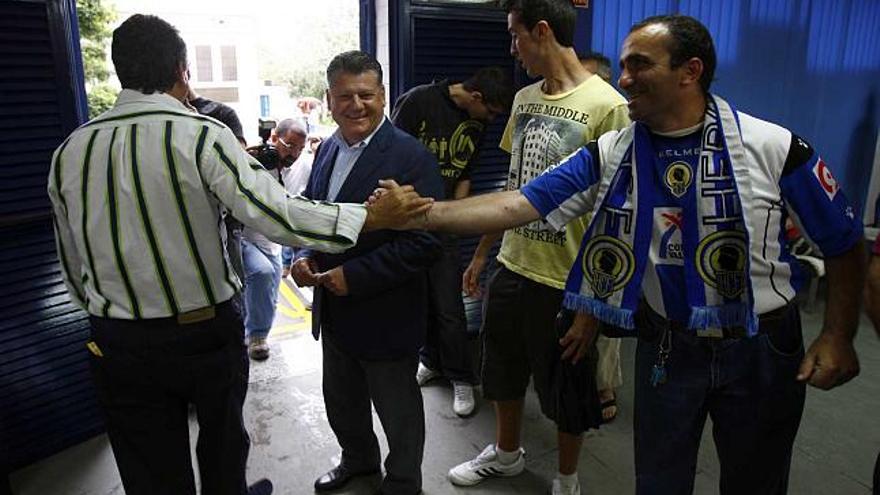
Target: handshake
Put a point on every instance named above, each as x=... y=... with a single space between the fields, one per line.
x=392 y=206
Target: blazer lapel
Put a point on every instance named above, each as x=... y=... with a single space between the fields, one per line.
x=363 y=176
x=326 y=163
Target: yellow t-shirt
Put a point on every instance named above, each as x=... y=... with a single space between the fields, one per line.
x=544 y=129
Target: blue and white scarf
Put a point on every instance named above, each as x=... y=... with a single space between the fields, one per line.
x=606 y=279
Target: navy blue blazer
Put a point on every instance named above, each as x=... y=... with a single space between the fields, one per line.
x=384 y=316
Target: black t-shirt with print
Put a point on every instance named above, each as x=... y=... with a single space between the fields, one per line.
x=429 y=114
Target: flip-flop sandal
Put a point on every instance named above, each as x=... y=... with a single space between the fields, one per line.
x=606 y=405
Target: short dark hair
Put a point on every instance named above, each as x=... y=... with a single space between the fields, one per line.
x=147 y=53
x=602 y=62
x=353 y=62
x=559 y=14
x=689 y=39
x=494 y=83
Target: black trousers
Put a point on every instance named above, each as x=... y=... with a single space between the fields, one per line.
x=446 y=342
x=350 y=384
x=149 y=372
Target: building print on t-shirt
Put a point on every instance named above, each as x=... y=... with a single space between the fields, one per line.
x=455 y=152
x=541 y=141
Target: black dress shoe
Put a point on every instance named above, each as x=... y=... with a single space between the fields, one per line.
x=262 y=487
x=338 y=477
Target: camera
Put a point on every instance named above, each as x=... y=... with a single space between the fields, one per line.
x=265 y=153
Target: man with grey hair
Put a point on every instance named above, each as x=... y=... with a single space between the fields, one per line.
x=371 y=303
x=261 y=258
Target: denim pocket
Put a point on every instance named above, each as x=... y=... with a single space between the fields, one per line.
x=786 y=341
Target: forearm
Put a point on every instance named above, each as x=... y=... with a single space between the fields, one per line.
x=486 y=243
x=845 y=281
x=481 y=214
x=462 y=189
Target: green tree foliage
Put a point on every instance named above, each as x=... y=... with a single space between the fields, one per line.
x=94 y=18
x=299 y=58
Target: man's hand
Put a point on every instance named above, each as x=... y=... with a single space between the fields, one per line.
x=577 y=340
x=334 y=281
x=830 y=361
x=304 y=272
x=470 y=279
x=397 y=207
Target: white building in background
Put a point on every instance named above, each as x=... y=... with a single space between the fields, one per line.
x=221 y=40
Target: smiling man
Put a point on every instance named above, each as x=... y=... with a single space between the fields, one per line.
x=719 y=331
x=371 y=302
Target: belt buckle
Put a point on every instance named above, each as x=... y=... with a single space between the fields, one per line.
x=711 y=332
x=196 y=315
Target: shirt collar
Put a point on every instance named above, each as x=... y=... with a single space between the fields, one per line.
x=134 y=97
x=360 y=144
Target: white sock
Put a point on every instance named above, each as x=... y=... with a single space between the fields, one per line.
x=567 y=480
x=505 y=457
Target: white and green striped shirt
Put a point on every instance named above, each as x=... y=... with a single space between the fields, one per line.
x=137 y=196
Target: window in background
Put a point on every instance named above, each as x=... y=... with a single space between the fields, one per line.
x=204 y=64
x=228 y=63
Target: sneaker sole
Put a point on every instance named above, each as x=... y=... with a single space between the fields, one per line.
x=484 y=473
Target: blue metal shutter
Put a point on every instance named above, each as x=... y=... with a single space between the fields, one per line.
x=453 y=42
x=46 y=398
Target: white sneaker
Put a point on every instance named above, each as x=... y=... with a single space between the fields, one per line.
x=258 y=349
x=486 y=465
x=425 y=374
x=571 y=489
x=463 y=403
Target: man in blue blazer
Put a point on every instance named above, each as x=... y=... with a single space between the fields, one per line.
x=371 y=301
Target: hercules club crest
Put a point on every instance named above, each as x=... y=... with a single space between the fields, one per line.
x=678 y=178
x=609 y=264
x=721 y=262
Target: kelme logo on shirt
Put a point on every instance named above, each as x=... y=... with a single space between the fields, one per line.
x=721 y=262
x=678 y=178
x=609 y=264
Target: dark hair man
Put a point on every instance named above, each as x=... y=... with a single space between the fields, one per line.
x=549 y=120
x=137 y=195
x=370 y=303
x=449 y=119
x=750 y=376
x=598 y=64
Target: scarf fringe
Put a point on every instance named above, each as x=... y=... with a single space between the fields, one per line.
x=612 y=315
x=729 y=315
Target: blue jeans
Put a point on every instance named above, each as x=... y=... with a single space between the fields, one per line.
x=262 y=275
x=746 y=385
x=287 y=254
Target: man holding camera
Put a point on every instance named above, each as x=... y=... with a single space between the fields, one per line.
x=261 y=258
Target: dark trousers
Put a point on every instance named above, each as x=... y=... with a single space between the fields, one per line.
x=746 y=385
x=350 y=384
x=150 y=371
x=446 y=342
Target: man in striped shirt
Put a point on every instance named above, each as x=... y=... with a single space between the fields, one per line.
x=136 y=196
